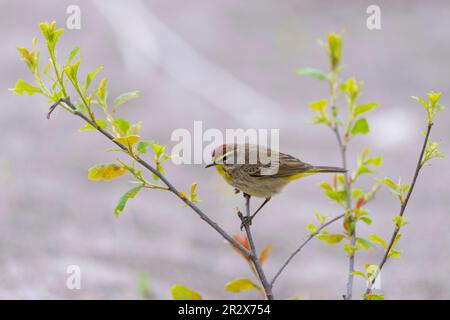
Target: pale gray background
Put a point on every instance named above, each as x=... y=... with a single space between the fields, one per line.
x=231 y=64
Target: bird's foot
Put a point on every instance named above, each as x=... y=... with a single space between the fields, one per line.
x=236 y=191
x=246 y=221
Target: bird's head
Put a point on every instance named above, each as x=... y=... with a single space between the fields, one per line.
x=223 y=156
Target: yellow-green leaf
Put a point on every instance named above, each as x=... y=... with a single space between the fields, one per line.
x=180 y=292
x=312 y=228
x=23 y=87
x=331 y=238
x=372 y=296
x=87 y=127
x=106 y=172
x=130 y=194
x=388 y=182
x=315 y=73
x=360 y=127
x=128 y=141
x=378 y=239
x=319 y=105
x=363 y=108
x=241 y=284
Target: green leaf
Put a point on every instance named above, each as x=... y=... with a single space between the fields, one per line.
x=72 y=71
x=128 y=141
x=50 y=34
x=325 y=185
x=87 y=127
x=114 y=150
x=22 y=86
x=360 y=127
x=143 y=286
x=432 y=107
x=334 y=48
x=431 y=152
x=130 y=194
x=366 y=244
x=359 y=273
x=135 y=128
x=337 y=196
x=242 y=284
x=193 y=193
x=105 y=172
x=375 y=161
x=311 y=228
x=349 y=249
x=399 y=221
x=90 y=76
x=319 y=105
x=395 y=254
x=373 y=296
x=434 y=97
x=180 y=292
x=143 y=145
x=124 y=98
x=378 y=240
x=363 y=108
x=102 y=92
x=352 y=89
x=31 y=58
x=122 y=126
x=388 y=182
x=72 y=54
x=158 y=150
x=331 y=238
x=371 y=270
x=315 y=73
x=321 y=218
x=356 y=192
x=366 y=220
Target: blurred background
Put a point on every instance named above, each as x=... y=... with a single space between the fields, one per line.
x=230 y=64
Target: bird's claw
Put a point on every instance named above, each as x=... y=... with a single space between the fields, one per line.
x=246 y=221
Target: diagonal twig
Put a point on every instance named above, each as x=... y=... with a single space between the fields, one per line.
x=254 y=255
x=402 y=209
x=146 y=165
x=302 y=245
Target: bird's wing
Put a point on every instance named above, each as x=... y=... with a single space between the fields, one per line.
x=288 y=166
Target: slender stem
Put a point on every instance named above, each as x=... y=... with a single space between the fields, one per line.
x=303 y=244
x=169 y=185
x=348 y=213
x=402 y=209
x=254 y=256
x=349 y=216
x=58 y=75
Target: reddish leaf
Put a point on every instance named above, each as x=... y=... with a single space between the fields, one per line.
x=265 y=253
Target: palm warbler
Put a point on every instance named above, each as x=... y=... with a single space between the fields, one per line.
x=260 y=172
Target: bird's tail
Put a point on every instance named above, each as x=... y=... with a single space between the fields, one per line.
x=328 y=169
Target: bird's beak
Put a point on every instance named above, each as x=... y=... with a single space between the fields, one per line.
x=211 y=165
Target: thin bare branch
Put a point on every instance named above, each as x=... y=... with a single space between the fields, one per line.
x=146 y=165
x=254 y=255
x=348 y=213
x=402 y=209
x=302 y=245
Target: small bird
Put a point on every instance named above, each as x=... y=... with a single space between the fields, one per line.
x=242 y=167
